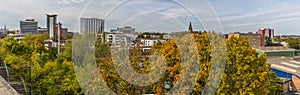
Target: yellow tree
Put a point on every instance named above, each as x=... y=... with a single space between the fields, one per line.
x=246 y=71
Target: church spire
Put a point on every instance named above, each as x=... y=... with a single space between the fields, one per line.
x=190 y=27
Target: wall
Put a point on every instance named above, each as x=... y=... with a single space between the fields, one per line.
x=296 y=82
x=282 y=53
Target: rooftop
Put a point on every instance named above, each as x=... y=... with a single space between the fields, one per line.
x=274 y=48
x=285 y=64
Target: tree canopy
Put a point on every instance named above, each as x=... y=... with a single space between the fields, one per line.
x=245 y=71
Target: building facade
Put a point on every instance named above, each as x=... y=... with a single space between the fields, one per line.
x=147 y=40
x=265 y=32
x=147 y=43
x=29 y=26
x=125 y=30
x=51 y=23
x=42 y=30
x=91 y=25
x=253 y=38
x=114 y=38
x=63 y=32
x=121 y=36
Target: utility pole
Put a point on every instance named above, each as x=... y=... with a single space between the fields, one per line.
x=58 y=34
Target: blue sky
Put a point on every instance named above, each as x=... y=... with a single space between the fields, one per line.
x=161 y=15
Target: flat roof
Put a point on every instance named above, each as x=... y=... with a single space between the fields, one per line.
x=285 y=64
x=274 y=48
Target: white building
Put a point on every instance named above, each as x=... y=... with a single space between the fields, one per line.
x=149 y=39
x=121 y=37
x=17 y=37
x=146 y=44
x=114 y=38
x=91 y=25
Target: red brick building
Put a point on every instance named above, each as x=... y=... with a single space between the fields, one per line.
x=63 y=32
x=265 y=32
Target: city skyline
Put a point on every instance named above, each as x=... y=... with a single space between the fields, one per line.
x=283 y=16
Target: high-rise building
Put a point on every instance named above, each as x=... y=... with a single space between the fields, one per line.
x=29 y=26
x=91 y=25
x=51 y=23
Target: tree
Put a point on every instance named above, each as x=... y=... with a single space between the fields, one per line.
x=246 y=71
x=268 y=41
x=41 y=71
x=293 y=43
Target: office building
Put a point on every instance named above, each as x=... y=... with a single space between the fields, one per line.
x=51 y=23
x=91 y=25
x=29 y=26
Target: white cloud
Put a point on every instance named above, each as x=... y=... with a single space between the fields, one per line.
x=240 y=25
x=67 y=2
x=288 y=14
x=255 y=14
x=284 y=20
x=235 y=15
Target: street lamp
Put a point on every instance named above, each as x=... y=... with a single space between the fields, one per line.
x=30 y=87
x=65 y=92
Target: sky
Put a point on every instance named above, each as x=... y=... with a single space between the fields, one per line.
x=161 y=15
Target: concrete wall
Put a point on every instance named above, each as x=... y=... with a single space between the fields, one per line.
x=296 y=82
x=6 y=89
x=282 y=53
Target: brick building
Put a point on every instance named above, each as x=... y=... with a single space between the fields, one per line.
x=265 y=32
x=253 y=38
x=63 y=32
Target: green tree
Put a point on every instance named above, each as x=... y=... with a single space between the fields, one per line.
x=42 y=72
x=268 y=41
x=293 y=43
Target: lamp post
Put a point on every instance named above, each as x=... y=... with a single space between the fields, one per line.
x=30 y=79
x=58 y=37
x=65 y=92
x=30 y=87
